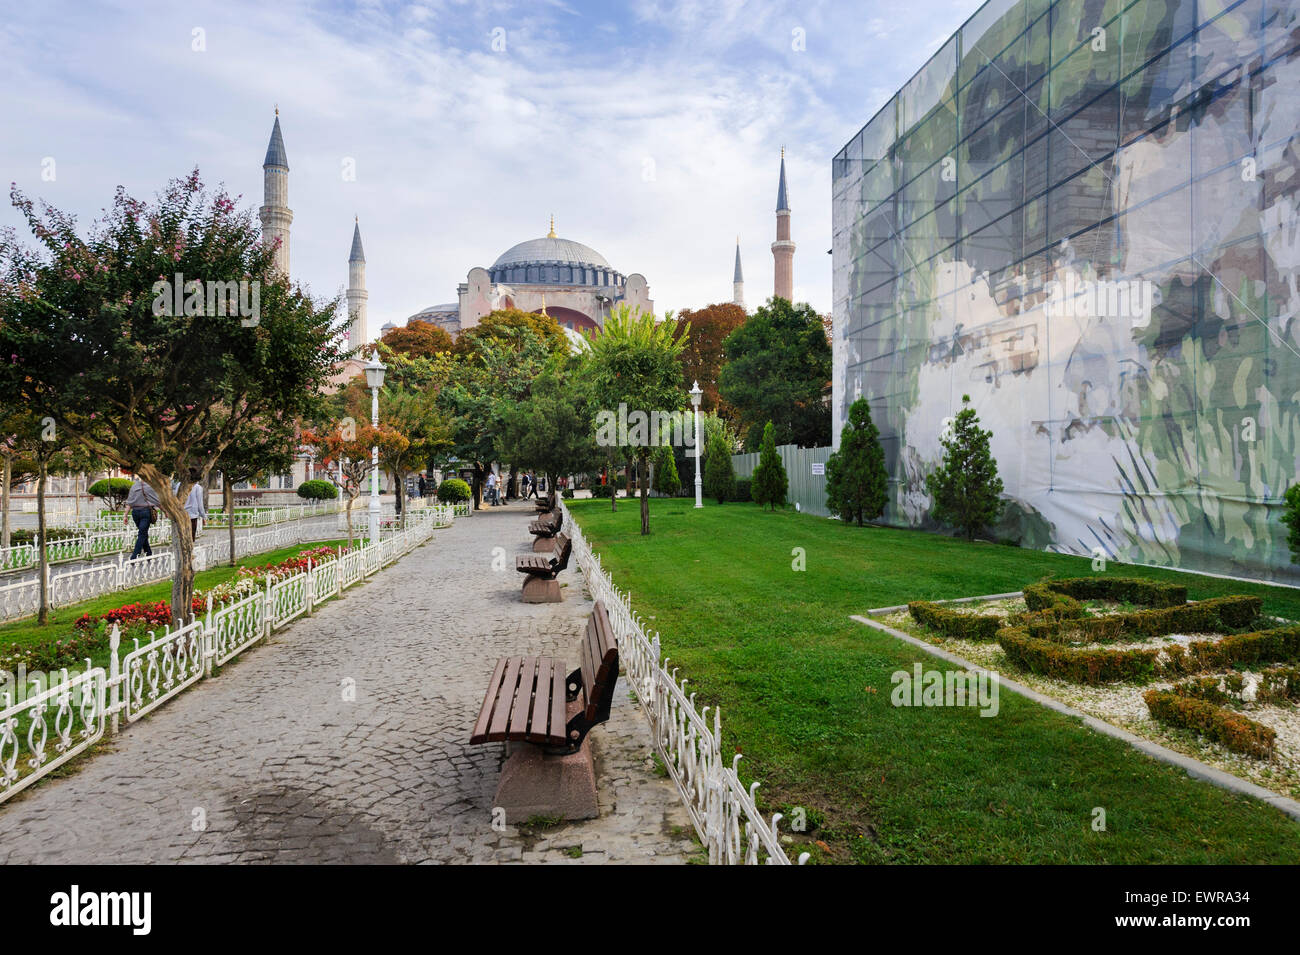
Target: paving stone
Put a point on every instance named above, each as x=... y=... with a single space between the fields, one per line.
x=286 y=770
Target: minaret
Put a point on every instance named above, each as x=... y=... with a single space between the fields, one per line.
x=738 y=280
x=357 y=294
x=276 y=214
x=783 y=248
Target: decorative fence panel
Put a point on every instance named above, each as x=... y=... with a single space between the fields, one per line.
x=236 y=627
x=158 y=670
x=46 y=727
x=725 y=814
x=41 y=732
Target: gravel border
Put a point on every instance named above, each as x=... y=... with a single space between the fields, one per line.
x=1193 y=767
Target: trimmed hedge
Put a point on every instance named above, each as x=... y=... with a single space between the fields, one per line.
x=1204 y=616
x=1235 y=731
x=1091 y=666
x=962 y=626
x=1279 y=645
x=453 y=491
x=318 y=490
x=1134 y=590
x=605 y=491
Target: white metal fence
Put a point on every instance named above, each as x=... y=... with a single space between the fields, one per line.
x=68 y=587
x=724 y=812
x=42 y=730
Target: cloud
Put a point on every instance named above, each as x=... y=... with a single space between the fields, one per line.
x=652 y=130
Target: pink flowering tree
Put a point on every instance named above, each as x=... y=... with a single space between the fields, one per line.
x=142 y=344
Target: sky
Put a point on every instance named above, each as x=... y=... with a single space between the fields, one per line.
x=452 y=130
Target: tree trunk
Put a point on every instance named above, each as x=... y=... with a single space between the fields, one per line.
x=399 y=499
x=4 y=500
x=478 y=485
x=348 y=511
x=228 y=505
x=42 y=555
x=643 y=475
x=172 y=504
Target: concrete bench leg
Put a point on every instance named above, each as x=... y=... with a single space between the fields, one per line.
x=540 y=591
x=543 y=545
x=536 y=784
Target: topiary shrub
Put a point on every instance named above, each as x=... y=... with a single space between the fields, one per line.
x=965 y=488
x=769 y=483
x=602 y=490
x=1078 y=665
x=666 y=479
x=951 y=623
x=112 y=491
x=1238 y=733
x=857 y=485
x=719 y=475
x=742 y=491
x=453 y=491
x=318 y=490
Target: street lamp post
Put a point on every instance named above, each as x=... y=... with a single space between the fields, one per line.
x=375 y=379
x=696 y=395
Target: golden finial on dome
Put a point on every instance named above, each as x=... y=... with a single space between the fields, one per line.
x=551 y=234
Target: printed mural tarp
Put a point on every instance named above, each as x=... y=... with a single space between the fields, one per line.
x=1084 y=216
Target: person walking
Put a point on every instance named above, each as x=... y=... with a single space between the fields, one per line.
x=141 y=507
x=196 y=504
x=422 y=486
x=492 y=488
x=532 y=486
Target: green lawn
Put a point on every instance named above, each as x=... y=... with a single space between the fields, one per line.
x=805 y=695
x=28 y=631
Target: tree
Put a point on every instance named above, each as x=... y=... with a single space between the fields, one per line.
x=769 y=482
x=719 y=475
x=857 y=486
x=504 y=324
x=172 y=374
x=479 y=387
x=778 y=367
x=551 y=430
x=112 y=491
x=344 y=445
x=965 y=488
x=704 y=355
x=264 y=446
x=636 y=361
x=415 y=340
x=1291 y=520
x=666 y=479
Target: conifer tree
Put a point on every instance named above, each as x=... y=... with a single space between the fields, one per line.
x=769 y=483
x=965 y=489
x=666 y=480
x=719 y=475
x=857 y=486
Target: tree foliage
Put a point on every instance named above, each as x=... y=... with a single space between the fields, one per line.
x=636 y=361
x=503 y=326
x=769 y=482
x=705 y=354
x=857 y=486
x=965 y=488
x=97 y=344
x=551 y=430
x=778 y=367
x=719 y=474
x=415 y=340
x=666 y=478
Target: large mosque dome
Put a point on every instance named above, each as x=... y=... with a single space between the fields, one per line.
x=554 y=261
x=551 y=249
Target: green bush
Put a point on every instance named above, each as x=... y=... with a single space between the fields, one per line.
x=769 y=483
x=1238 y=733
x=965 y=487
x=1132 y=590
x=1203 y=616
x=742 y=490
x=1291 y=520
x=318 y=490
x=951 y=623
x=666 y=479
x=857 y=485
x=1077 y=665
x=1279 y=645
x=27 y=535
x=602 y=490
x=719 y=475
x=112 y=491
x=453 y=491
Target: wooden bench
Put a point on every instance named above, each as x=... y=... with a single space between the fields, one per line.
x=547 y=504
x=540 y=584
x=533 y=702
x=544 y=531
